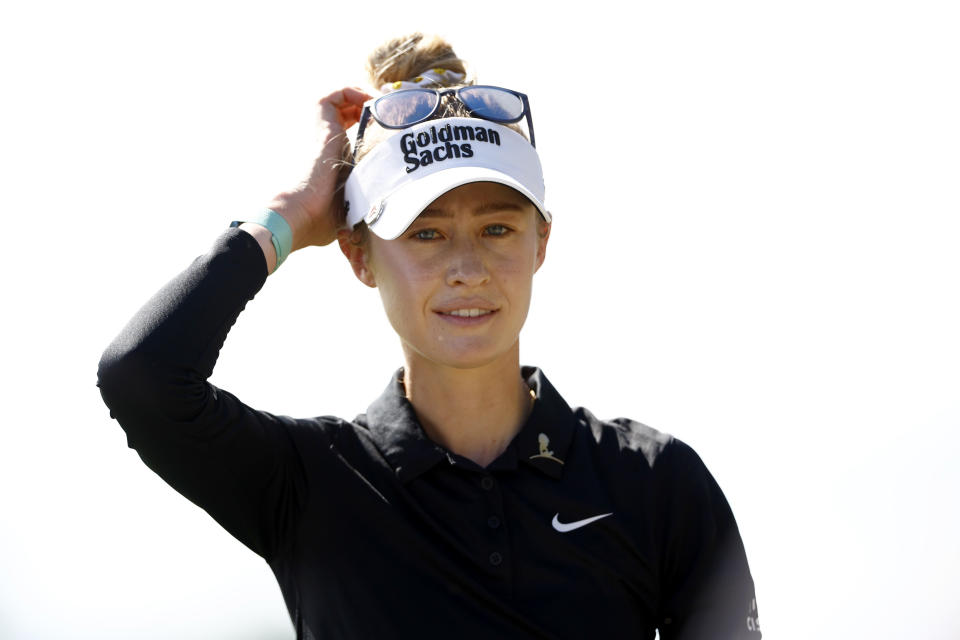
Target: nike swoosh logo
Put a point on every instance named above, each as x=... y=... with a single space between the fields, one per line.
x=564 y=527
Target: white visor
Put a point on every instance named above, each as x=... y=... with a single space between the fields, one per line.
x=396 y=181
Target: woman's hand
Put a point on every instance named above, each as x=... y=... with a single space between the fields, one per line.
x=312 y=209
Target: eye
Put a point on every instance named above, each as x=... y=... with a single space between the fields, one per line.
x=496 y=230
x=426 y=234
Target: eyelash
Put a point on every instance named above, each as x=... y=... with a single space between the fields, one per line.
x=502 y=229
x=419 y=235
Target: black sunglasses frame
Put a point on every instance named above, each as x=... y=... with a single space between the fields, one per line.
x=368 y=112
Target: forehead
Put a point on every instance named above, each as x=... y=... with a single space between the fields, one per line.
x=478 y=198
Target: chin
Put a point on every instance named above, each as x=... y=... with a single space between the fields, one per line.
x=470 y=359
x=472 y=356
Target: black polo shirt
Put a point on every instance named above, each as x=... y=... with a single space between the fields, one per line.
x=581 y=528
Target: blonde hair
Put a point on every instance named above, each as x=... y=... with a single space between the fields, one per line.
x=408 y=56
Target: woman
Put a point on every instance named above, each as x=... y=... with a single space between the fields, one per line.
x=469 y=500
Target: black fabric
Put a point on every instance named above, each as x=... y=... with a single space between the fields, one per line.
x=375 y=531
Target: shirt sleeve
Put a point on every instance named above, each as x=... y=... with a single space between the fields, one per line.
x=708 y=592
x=238 y=464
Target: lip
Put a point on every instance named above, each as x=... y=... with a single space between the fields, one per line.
x=487 y=311
x=468 y=321
x=465 y=303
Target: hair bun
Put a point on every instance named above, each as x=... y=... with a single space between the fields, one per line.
x=406 y=57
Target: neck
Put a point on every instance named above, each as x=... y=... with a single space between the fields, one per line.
x=472 y=412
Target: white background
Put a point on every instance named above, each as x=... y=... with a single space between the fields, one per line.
x=755 y=248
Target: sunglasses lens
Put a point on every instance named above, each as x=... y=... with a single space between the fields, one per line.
x=492 y=103
x=402 y=108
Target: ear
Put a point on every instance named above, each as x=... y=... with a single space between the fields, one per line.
x=543 y=235
x=357 y=254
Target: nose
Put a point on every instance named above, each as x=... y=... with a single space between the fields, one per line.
x=467 y=266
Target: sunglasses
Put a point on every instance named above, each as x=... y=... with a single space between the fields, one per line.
x=406 y=107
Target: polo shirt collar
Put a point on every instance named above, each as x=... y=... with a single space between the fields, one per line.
x=398 y=434
x=542 y=443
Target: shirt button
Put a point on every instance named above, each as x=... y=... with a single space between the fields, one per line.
x=496 y=558
x=493 y=522
x=487 y=483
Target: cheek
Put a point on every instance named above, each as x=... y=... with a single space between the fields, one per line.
x=519 y=263
x=514 y=276
x=399 y=305
x=403 y=287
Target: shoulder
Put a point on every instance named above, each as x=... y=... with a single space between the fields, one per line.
x=624 y=436
x=638 y=456
x=314 y=437
x=666 y=473
x=329 y=429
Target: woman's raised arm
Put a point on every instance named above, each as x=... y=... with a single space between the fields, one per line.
x=235 y=462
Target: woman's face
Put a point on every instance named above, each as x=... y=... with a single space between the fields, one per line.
x=456 y=284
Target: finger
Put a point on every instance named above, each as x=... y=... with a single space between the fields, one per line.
x=351 y=114
x=346 y=96
x=343 y=106
x=356 y=95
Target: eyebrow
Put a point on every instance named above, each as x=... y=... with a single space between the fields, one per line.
x=490 y=207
